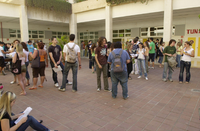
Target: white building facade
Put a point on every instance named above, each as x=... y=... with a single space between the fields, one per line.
x=90 y=19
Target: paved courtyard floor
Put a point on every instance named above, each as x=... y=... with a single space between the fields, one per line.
x=153 y=105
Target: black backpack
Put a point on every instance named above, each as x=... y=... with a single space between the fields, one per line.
x=117 y=64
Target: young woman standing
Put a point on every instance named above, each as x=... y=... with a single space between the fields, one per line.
x=21 y=77
x=160 y=53
x=93 y=48
x=129 y=65
x=25 y=50
x=187 y=53
x=179 y=47
x=146 y=47
x=141 y=60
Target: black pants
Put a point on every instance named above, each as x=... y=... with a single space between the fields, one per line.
x=129 y=68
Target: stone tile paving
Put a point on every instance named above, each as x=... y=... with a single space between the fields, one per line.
x=153 y=105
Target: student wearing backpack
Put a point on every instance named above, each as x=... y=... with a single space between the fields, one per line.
x=119 y=59
x=55 y=54
x=71 y=51
x=170 y=50
x=141 y=61
x=101 y=61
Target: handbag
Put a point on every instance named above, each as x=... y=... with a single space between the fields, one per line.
x=16 y=67
x=36 y=62
x=29 y=57
x=172 y=62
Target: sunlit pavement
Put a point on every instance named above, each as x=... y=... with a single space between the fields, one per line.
x=152 y=105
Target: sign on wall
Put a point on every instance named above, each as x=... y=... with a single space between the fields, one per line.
x=193 y=31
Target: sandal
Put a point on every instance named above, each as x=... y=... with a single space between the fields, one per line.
x=180 y=82
x=22 y=94
x=32 y=88
x=27 y=84
x=40 y=86
x=129 y=78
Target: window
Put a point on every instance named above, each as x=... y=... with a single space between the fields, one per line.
x=34 y=34
x=86 y=36
x=14 y=33
x=122 y=33
x=59 y=34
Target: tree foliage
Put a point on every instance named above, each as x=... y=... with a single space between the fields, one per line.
x=59 y=6
x=117 y=2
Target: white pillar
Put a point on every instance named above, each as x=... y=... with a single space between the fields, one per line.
x=24 y=23
x=168 y=17
x=73 y=25
x=109 y=23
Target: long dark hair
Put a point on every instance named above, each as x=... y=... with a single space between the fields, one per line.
x=93 y=46
x=100 y=42
x=147 y=44
x=24 y=46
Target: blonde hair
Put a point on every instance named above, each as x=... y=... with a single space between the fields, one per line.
x=19 y=49
x=128 y=46
x=5 y=103
x=179 y=44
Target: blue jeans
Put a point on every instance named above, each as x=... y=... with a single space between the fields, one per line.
x=166 y=66
x=54 y=74
x=74 y=68
x=32 y=122
x=27 y=74
x=121 y=77
x=160 y=59
x=186 y=65
x=178 y=59
x=141 y=64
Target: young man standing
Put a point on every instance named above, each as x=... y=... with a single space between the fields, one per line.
x=135 y=48
x=121 y=77
x=55 y=54
x=151 y=52
x=101 y=61
x=169 y=50
x=71 y=50
x=30 y=47
x=90 y=54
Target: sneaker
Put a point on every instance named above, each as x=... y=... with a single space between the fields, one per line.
x=126 y=98
x=69 y=83
x=149 y=67
x=170 y=80
x=60 y=89
x=57 y=85
x=12 y=82
x=74 y=91
x=152 y=67
x=165 y=80
x=108 y=90
x=3 y=72
x=139 y=77
x=98 y=90
x=146 y=78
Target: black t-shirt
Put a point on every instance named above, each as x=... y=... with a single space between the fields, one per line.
x=89 y=46
x=6 y=116
x=55 y=50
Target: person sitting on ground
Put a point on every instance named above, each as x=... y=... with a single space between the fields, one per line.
x=120 y=75
x=7 y=121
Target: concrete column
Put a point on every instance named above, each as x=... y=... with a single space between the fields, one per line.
x=23 y=23
x=73 y=26
x=168 y=18
x=109 y=23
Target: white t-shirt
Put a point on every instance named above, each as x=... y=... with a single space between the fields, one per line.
x=27 y=53
x=141 y=56
x=187 y=58
x=1 y=48
x=76 y=48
